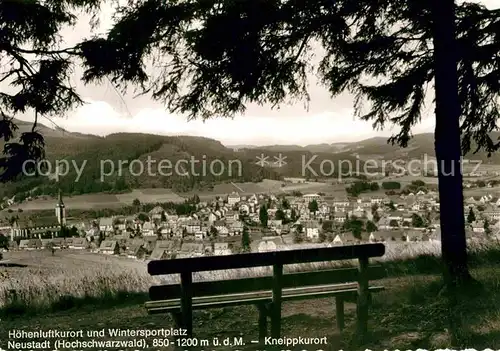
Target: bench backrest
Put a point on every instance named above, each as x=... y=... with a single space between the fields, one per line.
x=235 y=286
x=261 y=259
x=277 y=259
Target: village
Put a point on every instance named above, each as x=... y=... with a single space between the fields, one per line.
x=259 y=223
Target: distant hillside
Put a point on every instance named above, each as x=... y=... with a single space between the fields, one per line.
x=48 y=132
x=159 y=152
x=377 y=147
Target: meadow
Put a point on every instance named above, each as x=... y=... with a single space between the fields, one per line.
x=71 y=277
x=79 y=290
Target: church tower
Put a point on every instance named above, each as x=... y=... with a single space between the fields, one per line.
x=61 y=211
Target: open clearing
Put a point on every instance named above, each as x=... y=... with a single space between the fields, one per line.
x=77 y=272
x=88 y=201
x=160 y=195
x=151 y=195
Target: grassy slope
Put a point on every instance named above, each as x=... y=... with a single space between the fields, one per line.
x=406 y=316
x=410 y=314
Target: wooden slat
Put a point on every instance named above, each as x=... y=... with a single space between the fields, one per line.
x=212 y=263
x=256 y=297
x=232 y=286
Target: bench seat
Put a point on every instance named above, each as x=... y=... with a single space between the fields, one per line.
x=257 y=297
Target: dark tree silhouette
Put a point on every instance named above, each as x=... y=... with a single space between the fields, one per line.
x=263 y=216
x=245 y=240
x=371 y=227
x=313 y=206
x=471 y=217
x=38 y=73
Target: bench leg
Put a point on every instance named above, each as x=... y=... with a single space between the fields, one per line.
x=263 y=313
x=339 y=312
x=275 y=310
x=362 y=303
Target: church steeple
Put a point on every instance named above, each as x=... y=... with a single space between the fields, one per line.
x=60 y=210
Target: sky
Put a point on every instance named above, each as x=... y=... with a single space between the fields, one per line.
x=327 y=120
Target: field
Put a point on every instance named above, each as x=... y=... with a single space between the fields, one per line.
x=155 y=195
x=102 y=201
x=405 y=180
x=83 y=274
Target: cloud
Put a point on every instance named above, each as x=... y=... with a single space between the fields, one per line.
x=101 y=118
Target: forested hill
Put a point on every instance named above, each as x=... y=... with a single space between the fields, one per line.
x=106 y=153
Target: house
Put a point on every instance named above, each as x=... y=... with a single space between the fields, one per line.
x=192 y=226
x=395 y=216
x=357 y=211
x=344 y=202
x=236 y=228
x=384 y=236
x=46 y=243
x=267 y=244
x=377 y=200
x=191 y=250
x=312 y=229
x=233 y=199
x=106 y=224
x=79 y=244
x=212 y=217
x=478 y=226
x=222 y=249
x=148 y=229
x=136 y=250
x=275 y=223
x=200 y=235
x=119 y=223
x=109 y=247
x=324 y=208
x=150 y=243
x=339 y=217
x=164 y=249
x=311 y=197
x=92 y=232
x=221 y=227
x=156 y=213
x=492 y=214
x=68 y=242
x=344 y=239
x=30 y=244
x=472 y=200
x=232 y=215
x=336 y=240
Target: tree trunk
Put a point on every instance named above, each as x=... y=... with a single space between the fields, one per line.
x=447 y=144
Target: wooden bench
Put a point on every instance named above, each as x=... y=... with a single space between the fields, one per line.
x=268 y=292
